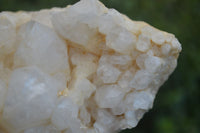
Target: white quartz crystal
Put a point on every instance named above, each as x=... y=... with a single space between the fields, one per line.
x=80 y=69
x=65 y=114
x=30 y=99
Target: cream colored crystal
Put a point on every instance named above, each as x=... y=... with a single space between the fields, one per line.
x=80 y=69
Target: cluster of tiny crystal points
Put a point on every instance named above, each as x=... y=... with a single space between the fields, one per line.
x=80 y=69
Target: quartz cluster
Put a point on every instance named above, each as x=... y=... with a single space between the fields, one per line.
x=80 y=69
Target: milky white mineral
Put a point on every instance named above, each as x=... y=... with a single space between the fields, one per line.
x=81 y=69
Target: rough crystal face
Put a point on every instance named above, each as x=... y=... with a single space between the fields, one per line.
x=81 y=69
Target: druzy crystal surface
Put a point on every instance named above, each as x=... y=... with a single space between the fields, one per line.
x=80 y=69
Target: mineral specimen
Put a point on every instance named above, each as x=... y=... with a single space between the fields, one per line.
x=80 y=69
